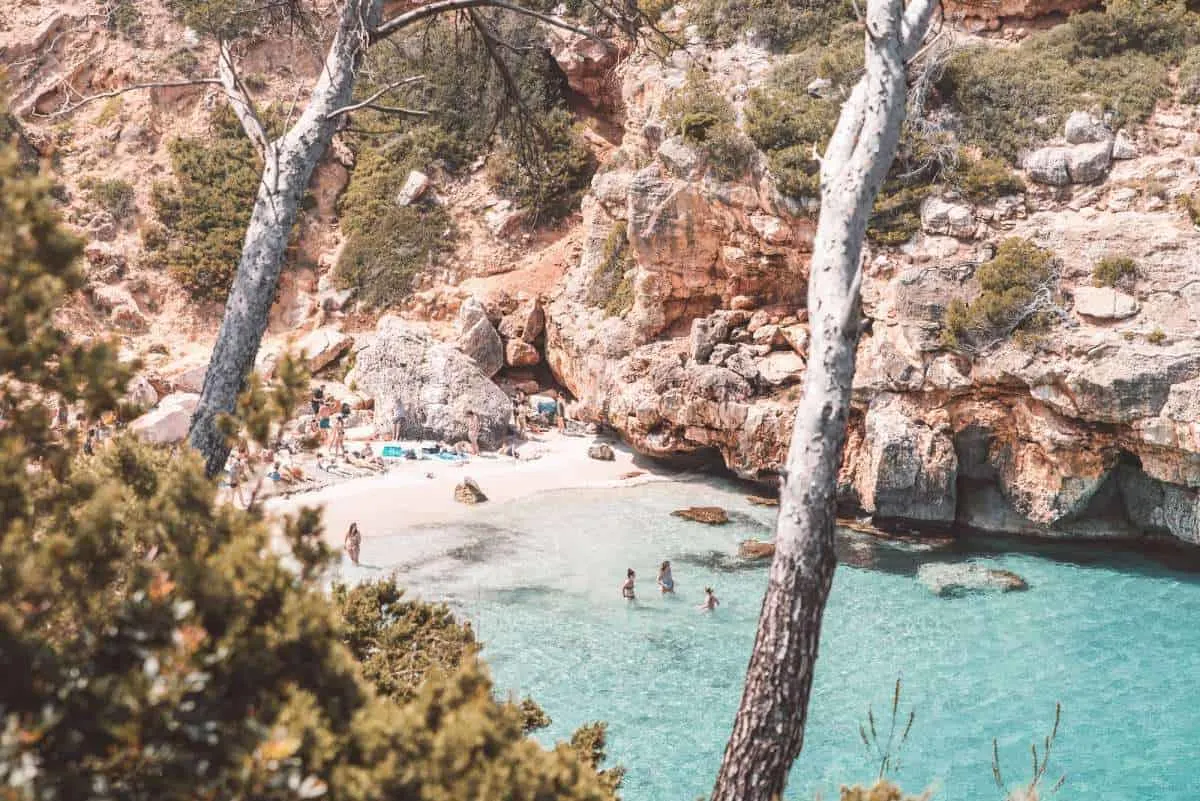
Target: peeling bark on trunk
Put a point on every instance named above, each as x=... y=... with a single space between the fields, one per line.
x=288 y=166
x=768 y=731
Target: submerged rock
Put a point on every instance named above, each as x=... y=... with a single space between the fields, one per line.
x=712 y=515
x=756 y=549
x=469 y=492
x=759 y=500
x=950 y=579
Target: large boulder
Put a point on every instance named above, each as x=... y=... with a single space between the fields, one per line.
x=169 y=421
x=323 y=346
x=414 y=186
x=950 y=579
x=1104 y=303
x=781 y=368
x=756 y=549
x=527 y=323
x=1082 y=128
x=483 y=345
x=437 y=383
x=469 y=492
x=1089 y=163
x=951 y=219
x=910 y=467
x=1048 y=165
x=519 y=353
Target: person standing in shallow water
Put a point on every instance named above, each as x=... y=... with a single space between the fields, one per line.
x=473 y=427
x=627 y=585
x=397 y=418
x=353 y=543
x=710 y=600
x=666 y=582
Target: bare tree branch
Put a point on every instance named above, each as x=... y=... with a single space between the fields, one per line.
x=239 y=99
x=402 y=21
x=369 y=101
x=73 y=107
x=399 y=110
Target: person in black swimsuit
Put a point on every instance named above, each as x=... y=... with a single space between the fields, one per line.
x=627 y=585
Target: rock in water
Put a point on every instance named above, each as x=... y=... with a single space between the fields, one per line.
x=712 y=515
x=759 y=500
x=949 y=580
x=469 y=492
x=601 y=452
x=756 y=549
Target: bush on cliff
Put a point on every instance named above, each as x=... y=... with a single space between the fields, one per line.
x=548 y=171
x=612 y=283
x=700 y=114
x=388 y=246
x=1112 y=270
x=207 y=207
x=1115 y=61
x=1014 y=287
x=780 y=25
x=156 y=643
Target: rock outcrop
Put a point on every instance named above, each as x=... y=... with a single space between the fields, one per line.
x=952 y=579
x=437 y=383
x=169 y=421
x=709 y=515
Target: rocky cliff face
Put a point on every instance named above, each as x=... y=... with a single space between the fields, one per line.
x=674 y=306
x=1088 y=430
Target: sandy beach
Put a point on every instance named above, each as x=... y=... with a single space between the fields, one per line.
x=417 y=492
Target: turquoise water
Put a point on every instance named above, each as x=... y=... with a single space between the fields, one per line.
x=1114 y=638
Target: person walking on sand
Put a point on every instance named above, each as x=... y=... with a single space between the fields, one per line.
x=397 y=419
x=666 y=582
x=338 y=443
x=236 y=471
x=560 y=413
x=353 y=543
x=627 y=585
x=710 y=600
x=473 y=427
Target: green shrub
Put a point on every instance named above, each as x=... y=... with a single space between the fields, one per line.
x=786 y=122
x=1111 y=270
x=612 y=283
x=705 y=119
x=1156 y=337
x=109 y=112
x=896 y=217
x=1189 y=77
x=387 y=246
x=781 y=25
x=985 y=179
x=208 y=207
x=1009 y=284
x=1190 y=204
x=114 y=195
x=551 y=177
x=1117 y=61
x=125 y=19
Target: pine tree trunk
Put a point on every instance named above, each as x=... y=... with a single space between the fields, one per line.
x=768 y=732
x=288 y=166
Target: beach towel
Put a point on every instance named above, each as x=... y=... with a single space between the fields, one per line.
x=392 y=452
x=450 y=456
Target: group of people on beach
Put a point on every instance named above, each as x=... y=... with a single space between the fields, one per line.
x=666 y=585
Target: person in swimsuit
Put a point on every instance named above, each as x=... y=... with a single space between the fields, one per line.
x=710 y=600
x=560 y=412
x=666 y=582
x=473 y=428
x=397 y=419
x=353 y=543
x=627 y=585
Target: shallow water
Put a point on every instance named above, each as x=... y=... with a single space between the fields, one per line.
x=1114 y=638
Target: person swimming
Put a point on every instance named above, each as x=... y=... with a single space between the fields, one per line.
x=627 y=585
x=666 y=582
x=710 y=600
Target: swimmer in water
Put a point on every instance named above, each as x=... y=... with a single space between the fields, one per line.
x=666 y=582
x=627 y=585
x=710 y=600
